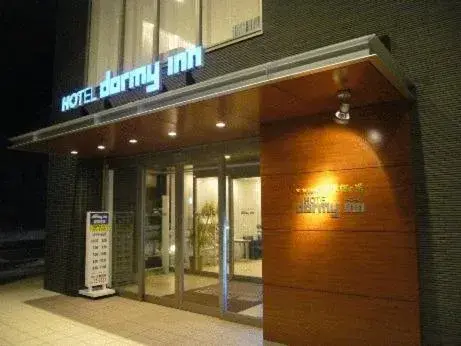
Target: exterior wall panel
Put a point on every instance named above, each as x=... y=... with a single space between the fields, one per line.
x=318 y=264
x=74 y=187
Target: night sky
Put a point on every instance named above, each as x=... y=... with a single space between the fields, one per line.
x=27 y=50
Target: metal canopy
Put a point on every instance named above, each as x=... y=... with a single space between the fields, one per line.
x=299 y=85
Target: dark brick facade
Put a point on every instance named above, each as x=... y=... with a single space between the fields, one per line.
x=425 y=41
x=74 y=187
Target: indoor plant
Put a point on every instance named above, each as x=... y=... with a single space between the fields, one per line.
x=203 y=234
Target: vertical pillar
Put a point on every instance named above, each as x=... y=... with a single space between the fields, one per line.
x=223 y=235
x=179 y=232
x=195 y=266
x=231 y=228
x=140 y=204
x=166 y=234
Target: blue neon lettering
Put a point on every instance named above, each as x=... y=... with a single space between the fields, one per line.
x=153 y=78
x=104 y=86
x=115 y=85
x=194 y=57
x=138 y=77
x=147 y=76
x=88 y=95
x=65 y=104
x=123 y=79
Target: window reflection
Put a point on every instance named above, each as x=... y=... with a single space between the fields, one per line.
x=178 y=25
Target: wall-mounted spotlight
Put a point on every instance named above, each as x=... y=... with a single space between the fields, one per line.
x=101 y=147
x=133 y=141
x=342 y=116
x=227 y=157
x=107 y=103
x=190 y=80
x=220 y=124
x=172 y=133
x=84 y=111
x=74 y=152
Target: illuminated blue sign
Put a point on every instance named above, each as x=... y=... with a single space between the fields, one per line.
x=147 y=76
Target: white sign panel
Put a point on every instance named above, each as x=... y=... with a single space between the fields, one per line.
x=98 y=233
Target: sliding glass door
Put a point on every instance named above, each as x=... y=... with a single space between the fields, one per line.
x=188 y=234
x=159 y=236
x=201 y=240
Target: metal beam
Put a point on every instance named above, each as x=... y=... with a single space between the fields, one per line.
x=325 y=58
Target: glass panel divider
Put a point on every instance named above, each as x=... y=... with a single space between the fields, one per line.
x=223 y=235
x=179 y=233
x=140 y=202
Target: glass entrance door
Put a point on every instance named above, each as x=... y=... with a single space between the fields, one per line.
x=187 y=232
x=201 y=239
x=245 y=290
x=159 y=236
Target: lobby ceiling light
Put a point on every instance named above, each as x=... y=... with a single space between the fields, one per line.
x=220 y=124
x=342 y=116
x=133 y=141
x=74 y=152
x=101 y=147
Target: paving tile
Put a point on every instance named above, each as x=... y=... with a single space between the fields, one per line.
x=144 y=340
x=67 y=341
x=60 y=320
x=33 y=342
x=15 y=336
x=53 y=337
x=3 y=342
x=38 y=332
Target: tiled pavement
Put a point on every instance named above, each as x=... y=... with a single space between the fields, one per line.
x=30 y=315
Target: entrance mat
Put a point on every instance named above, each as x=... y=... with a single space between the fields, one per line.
x=241 y=296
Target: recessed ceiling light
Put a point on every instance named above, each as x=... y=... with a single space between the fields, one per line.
x=133 y=141
x=220 y=124
x=172 y=133
x=227 y=157
x=74 y=152
x=101 y=147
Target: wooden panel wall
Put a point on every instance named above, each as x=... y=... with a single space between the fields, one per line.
x=349 y=280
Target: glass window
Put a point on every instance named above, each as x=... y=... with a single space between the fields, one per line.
x=140 y=46
x=105 y=39
x=227 y=20
x=178 y=25
x=125 y=34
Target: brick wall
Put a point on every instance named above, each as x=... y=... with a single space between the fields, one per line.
x=74 y=187
x=125 y=202
x=425 y=41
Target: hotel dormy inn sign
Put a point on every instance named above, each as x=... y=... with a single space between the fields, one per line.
x=320 y=200
x=147 y=76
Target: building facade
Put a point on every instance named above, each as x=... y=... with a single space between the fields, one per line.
x=320 y=231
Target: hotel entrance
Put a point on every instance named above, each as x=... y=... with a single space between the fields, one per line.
x=186 y=219
x=309 y=155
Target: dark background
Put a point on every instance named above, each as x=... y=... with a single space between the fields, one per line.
x=27 y=41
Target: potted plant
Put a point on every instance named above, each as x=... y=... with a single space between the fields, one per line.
x=202 y=234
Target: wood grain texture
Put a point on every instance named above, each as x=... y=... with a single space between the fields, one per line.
x=302 y=317
x=373 y=264
x=388 y=197
x=352 y=279
x=317 y=144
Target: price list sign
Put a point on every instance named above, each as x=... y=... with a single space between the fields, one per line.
x=98 y=234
